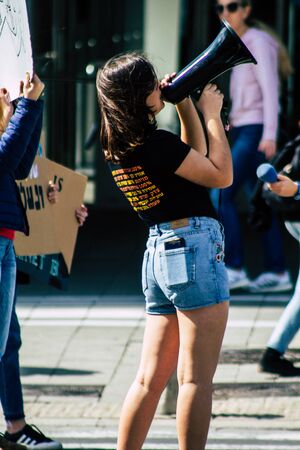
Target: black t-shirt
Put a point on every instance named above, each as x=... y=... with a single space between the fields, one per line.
x=147 y=178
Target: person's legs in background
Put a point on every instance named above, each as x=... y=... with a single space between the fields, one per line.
x=7 y=288
x=12 y=397
x=275 y=278
x=10 y=383
x=289 y=323
x=7 y=291
x=245 y=159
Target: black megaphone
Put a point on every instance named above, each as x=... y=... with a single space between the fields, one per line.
x=225 y=52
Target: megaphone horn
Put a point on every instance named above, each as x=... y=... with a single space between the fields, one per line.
x=225 y=52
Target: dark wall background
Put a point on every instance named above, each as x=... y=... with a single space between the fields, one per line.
x=67 y=36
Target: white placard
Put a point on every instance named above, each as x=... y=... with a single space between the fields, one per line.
x=15 y=45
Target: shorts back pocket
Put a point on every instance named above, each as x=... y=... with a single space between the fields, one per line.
x=178 y=266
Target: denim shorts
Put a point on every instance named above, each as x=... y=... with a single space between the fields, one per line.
x=190 y=276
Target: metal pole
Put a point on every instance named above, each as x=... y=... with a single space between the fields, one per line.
x=62 y=101
x=280 y=18
x=291 y=50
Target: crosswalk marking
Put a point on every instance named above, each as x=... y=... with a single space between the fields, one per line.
x=174 y=446
x=117 y=322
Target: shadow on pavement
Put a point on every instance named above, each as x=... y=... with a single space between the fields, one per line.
x=29 y=371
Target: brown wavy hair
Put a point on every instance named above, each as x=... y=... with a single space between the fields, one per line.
x=123 y=85
x=2 y=121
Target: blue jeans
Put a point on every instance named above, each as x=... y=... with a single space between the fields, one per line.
x=11 y=395
x=7 y=288
x=289 y=322
x=246 y=158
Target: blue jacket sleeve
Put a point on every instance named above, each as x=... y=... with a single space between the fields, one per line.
x=26 y=162
x=19 y=135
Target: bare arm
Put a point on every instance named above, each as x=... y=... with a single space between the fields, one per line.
x=190 y=124
x=191 y=127
x=219 y=150
x=216 y=169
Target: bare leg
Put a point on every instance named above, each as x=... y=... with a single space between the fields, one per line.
x=201 y=334
x=158 y=361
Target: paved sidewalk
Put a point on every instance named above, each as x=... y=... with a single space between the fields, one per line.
x=80 y=355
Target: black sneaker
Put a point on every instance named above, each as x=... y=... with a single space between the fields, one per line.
x=32 y=438
x=7 y=445
x=273 y=362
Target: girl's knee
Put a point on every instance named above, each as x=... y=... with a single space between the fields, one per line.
x=199 y=382
x=150 y=384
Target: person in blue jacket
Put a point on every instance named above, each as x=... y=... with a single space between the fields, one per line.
x=11 y=395
x=19 y=138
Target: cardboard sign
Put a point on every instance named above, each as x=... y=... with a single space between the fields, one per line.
x=53 y=227
x=15 y=45
x=50 y=269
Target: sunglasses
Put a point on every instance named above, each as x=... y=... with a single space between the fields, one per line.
x=231 y=7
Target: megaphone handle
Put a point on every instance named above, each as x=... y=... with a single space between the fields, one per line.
x=196 y=94
x=225 y=115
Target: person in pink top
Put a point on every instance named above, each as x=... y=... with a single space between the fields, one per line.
x=254 y=93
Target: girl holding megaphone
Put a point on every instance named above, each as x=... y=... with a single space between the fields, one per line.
x=166 y=179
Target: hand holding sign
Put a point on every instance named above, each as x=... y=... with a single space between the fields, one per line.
x=81 y=214
x=52 y=193
x=31 y=88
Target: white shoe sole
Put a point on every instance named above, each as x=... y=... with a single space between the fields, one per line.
x=285 y=287
x=45 y=446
